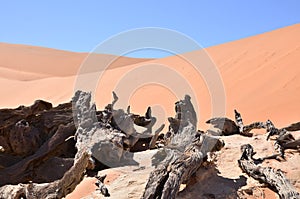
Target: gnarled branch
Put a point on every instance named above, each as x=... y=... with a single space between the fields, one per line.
x=275 y=179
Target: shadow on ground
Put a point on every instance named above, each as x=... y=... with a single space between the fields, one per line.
x=206 y=183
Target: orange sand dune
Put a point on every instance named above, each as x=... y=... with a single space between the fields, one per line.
x=47 y=61
x=261 y=78
x=260 y=74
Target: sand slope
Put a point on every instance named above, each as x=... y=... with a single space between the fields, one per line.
x=28 y=73
x=261 y=77
x=262 y=74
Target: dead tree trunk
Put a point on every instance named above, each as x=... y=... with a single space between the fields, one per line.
x=245 y=129
x=101 y=187
x=293 y=127
x=20 y=172
x=225 y=126
x=183 y=156
x=285 y=140
x=74 y=175
x=272 y=130
x=107 y=136
x=275 y=179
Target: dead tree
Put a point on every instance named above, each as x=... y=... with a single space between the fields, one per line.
x=275 y=179
x=293 y=127
x=284 y=140
x=226 y=126
x=31 y=138
x=22 y=171
x=272 y=130
x=152 y=143
x=75 y=127
x=101 y=187
x=245 y=129
x=82 y=160
x=183 y=155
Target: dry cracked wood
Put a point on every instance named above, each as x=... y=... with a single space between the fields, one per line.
x=101 y=186
x=285 y=140
x=275 y=179
x=245 y=129
x=272 y=130
x=44 y=130
x=226 y=126
x=223 y=126
x=183 y=156
x=22 y=171
x=293 y=127
x=36 y=138
x=56 y=189
x=97 y=135
x=72 y=177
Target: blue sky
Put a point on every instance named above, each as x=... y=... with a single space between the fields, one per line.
x=81 y=25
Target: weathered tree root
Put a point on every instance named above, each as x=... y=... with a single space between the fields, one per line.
x=227 y=126
x=184 y=154
x=272 y=130
x=74 y=175
x=32 y=136
x=19 y=172
x=56 y=189
x=101 y=187
x=165 y=180
x=223 y=126
x=105 y=135
x=245 y=130
x=293 y=127
x=275 y=179
x=285 y=140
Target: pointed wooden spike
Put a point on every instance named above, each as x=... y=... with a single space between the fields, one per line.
x=148 y=113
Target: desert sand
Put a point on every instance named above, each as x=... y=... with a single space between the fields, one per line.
x=260 y=74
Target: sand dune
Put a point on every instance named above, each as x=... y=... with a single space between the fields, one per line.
x=260 y=75
x=48 y=61
x=12 y=74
